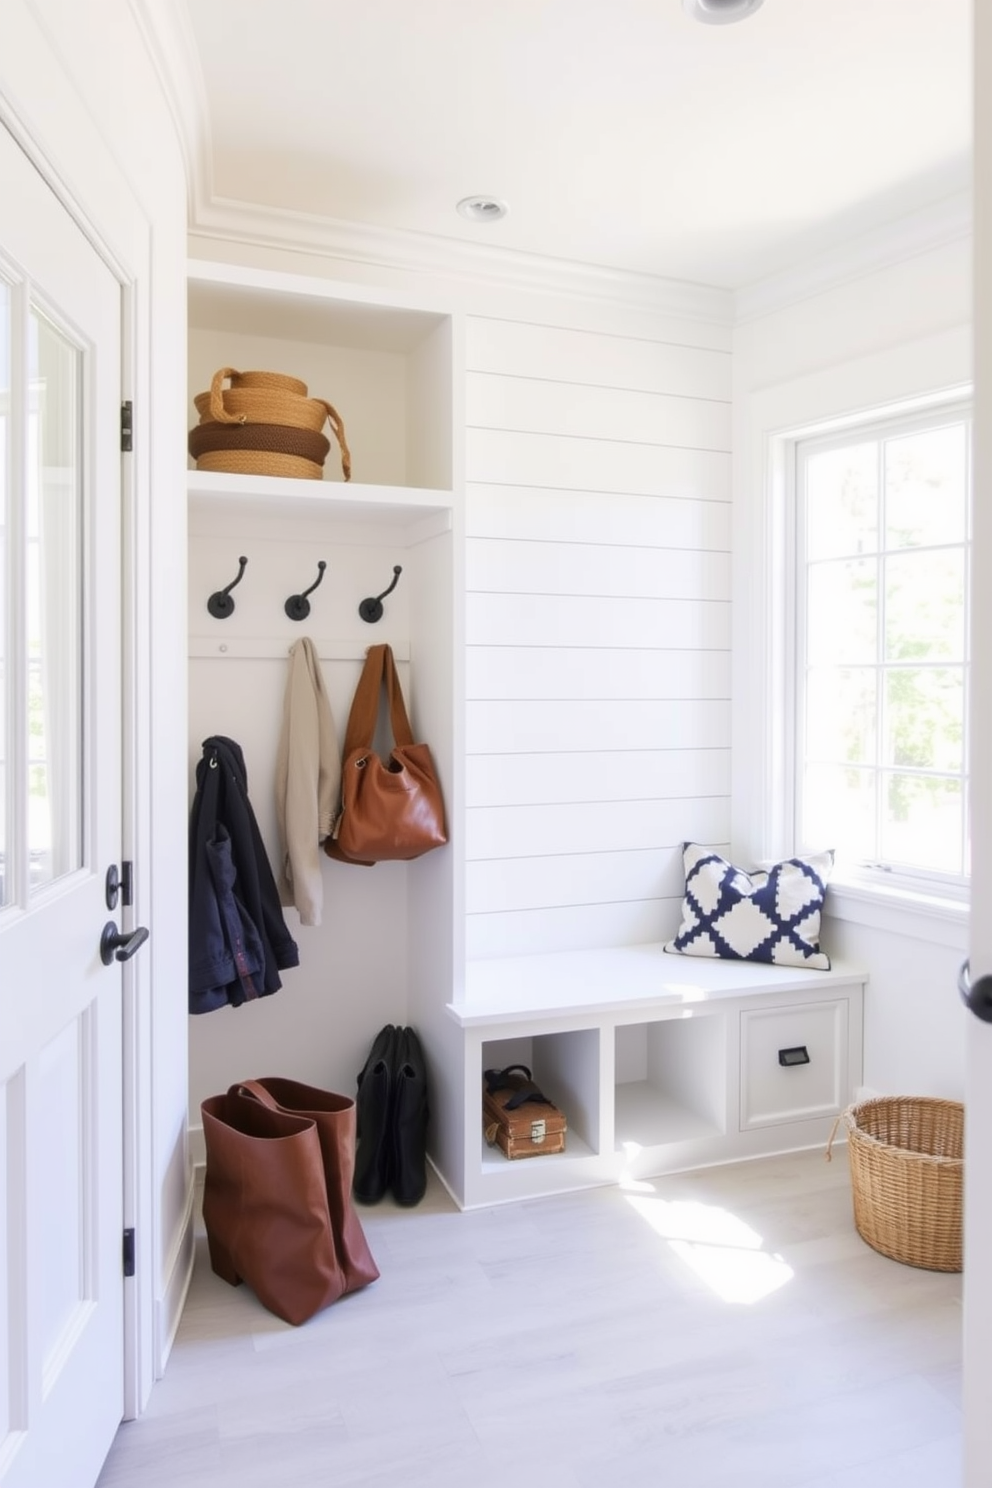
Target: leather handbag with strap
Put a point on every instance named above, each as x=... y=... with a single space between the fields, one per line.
x=334 y=1117
x=265 y=1206
x=389 y=809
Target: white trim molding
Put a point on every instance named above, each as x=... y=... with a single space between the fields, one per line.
x=178 y=1273
x=910 y=916
x=931 y=227
x=916 y=374
x=222 y=219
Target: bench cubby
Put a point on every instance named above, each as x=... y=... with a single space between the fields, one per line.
x=661 y=1063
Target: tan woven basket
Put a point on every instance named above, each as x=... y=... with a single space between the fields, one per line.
x=277 y=381
x=259 y=462
x=907 y=1170
x=269 y=403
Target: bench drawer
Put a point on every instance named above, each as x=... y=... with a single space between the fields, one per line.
x=793 y=1063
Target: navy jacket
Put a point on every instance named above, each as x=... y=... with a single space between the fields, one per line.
x=238 y=939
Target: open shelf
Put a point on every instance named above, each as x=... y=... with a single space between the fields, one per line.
x=565 y=1066
x=386 y=368
x=671 y=1082
x=493 y=1160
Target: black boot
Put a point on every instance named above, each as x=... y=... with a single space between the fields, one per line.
x=409 y=1121
x=374 y=1110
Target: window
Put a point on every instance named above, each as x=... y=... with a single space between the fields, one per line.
x=883 y=529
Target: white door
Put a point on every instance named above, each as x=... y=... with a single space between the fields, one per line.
x=978 y=1033
x=61 y=1310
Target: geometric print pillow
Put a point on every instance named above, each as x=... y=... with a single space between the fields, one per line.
x=769 y=916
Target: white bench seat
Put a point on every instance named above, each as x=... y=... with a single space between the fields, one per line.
x=661 y=1062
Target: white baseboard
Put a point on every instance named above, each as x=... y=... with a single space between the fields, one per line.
x=197 y=1148
x=178 y=1275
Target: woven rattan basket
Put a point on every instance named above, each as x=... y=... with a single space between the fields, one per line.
x=270 y=398
x=275 y=380
x=259 y=462
x=907 y=1168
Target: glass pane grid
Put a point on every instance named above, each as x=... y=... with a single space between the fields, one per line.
x=882 y=706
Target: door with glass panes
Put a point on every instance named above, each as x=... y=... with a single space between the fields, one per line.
x=61 y=1308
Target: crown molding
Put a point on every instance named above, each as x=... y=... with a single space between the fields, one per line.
x=168 y=36
x=932 y=227
x=432 y=255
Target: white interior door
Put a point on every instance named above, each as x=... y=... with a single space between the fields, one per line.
x=61 y=1299
x=978 y=1031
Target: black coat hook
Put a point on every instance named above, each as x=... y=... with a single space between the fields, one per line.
x=297 y=606
x=221 y=604
x=371 y=609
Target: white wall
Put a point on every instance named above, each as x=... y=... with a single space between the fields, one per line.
x=896 y=333
x=79 y=80
x=597 y=628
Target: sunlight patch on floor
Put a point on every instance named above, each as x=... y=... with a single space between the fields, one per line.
x=720 y=1248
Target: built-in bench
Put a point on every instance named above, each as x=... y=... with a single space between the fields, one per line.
x=661 y=1062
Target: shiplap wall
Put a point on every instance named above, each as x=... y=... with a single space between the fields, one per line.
x=597 y=629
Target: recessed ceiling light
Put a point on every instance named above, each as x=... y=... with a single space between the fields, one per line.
x=720 y=12
x=482 y=208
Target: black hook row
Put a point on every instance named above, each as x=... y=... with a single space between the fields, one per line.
x=297 y=606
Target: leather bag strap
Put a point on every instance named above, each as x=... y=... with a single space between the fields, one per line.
x=379 y=666
x=402 y=732
x=255 y=1091
x=496 y=1079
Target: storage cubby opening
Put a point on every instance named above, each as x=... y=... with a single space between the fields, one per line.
x=566 y=1068
x=386 y=370
x=671 y=1081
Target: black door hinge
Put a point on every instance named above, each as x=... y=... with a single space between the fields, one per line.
x=128 y=1252
x=127 y=427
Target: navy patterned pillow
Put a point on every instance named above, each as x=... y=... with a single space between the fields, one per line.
x=769 y=916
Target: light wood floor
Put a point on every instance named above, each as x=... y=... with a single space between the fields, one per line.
x=724 y=1327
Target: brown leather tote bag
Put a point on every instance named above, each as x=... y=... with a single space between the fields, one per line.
x=334 y=1117
x=265 y=1206
x=389 y=810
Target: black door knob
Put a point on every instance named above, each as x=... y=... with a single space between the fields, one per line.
x=120 y=944
x=976 y=995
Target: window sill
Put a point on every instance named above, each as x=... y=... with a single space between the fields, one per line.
x=902 y=912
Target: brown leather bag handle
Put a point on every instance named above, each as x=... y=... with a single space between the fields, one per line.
x=257 y=1092
x=379 y=666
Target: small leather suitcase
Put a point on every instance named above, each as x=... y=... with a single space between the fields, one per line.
x=517 y=1117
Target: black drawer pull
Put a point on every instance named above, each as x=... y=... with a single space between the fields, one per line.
x=798 y=1055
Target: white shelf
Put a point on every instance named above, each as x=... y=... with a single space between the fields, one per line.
x=347 y=502
x=494 y=1161
x=646 y=1117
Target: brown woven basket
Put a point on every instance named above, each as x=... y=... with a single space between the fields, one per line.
x=272 y=403
x=907 y=1170
x=277 y=439
x=259 y=462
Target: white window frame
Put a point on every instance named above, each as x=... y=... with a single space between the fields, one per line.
x=915 y=376
x=899 y=422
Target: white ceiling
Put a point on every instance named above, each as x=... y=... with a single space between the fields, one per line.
x=621 y=133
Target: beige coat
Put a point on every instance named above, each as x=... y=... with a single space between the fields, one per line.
x=308 y=783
